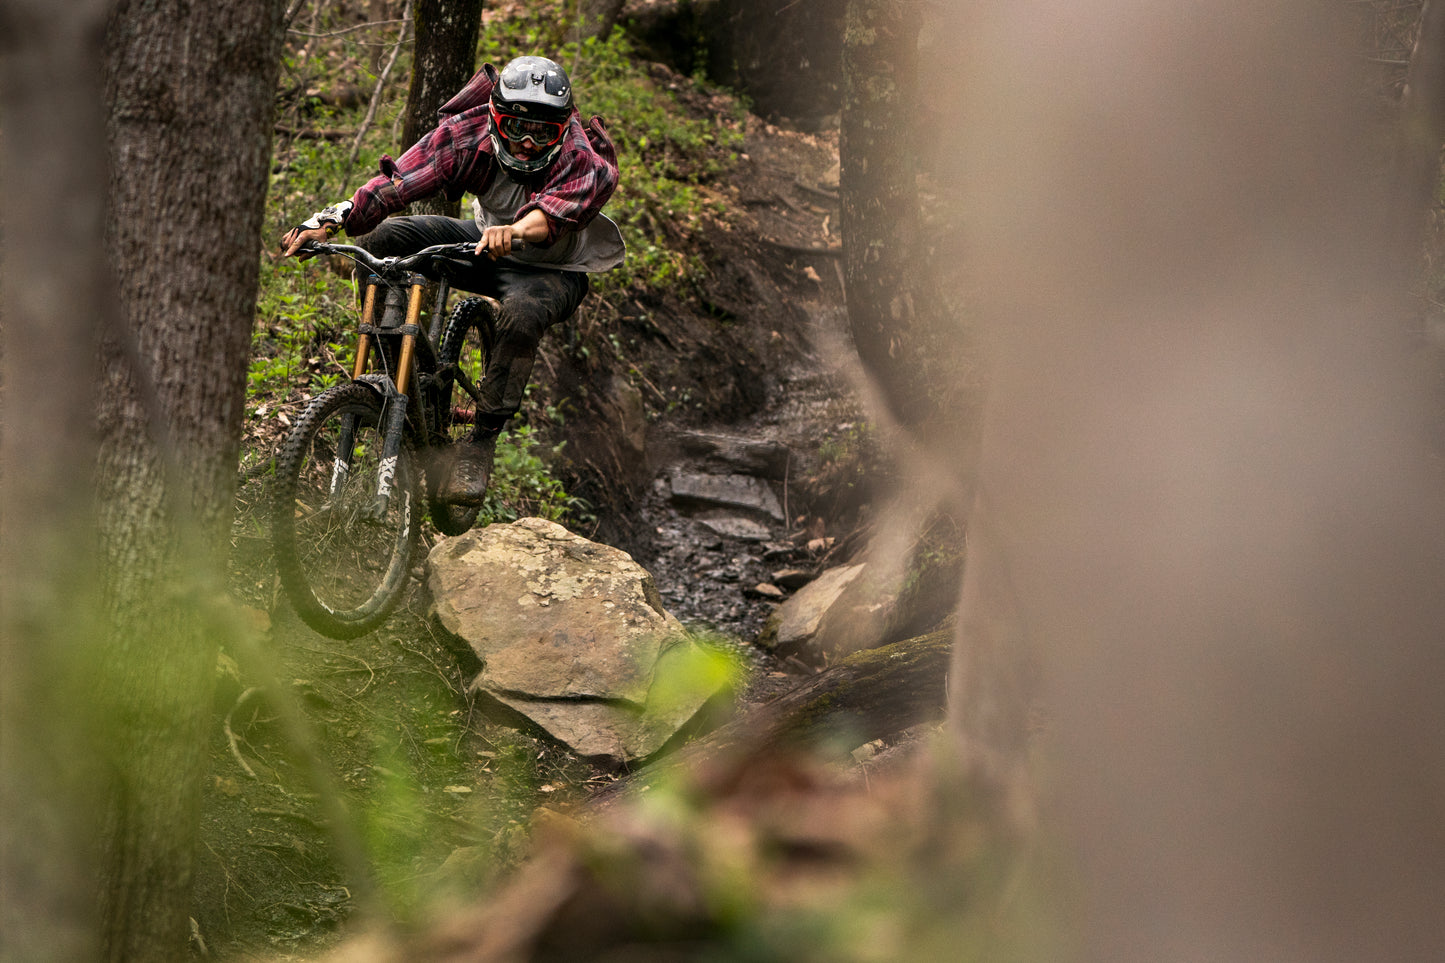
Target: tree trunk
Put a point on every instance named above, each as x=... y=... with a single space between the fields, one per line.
x=50 y=317
x=445 y=58
x=880 y=198
x=190 y=90
x=598 y=17
x=1237 y=609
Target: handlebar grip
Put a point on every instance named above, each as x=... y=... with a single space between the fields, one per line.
x=471 y=246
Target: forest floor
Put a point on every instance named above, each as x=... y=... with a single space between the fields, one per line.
x=441 y=801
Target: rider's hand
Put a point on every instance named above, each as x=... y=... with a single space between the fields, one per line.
x=497 y=241
x=298 y=237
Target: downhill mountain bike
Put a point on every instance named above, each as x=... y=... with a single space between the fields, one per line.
x=367 y=456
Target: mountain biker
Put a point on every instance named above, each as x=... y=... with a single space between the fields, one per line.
x=514 y=140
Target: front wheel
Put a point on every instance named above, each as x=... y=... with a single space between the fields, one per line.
x=343 y=551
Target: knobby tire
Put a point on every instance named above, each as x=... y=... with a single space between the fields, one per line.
x=467 y=342
x=344 y=568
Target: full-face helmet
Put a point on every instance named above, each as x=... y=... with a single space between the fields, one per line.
x=531 y=103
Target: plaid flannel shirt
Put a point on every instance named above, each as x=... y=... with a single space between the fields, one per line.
x=457 y=157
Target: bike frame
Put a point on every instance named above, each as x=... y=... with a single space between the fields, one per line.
x=391 y=309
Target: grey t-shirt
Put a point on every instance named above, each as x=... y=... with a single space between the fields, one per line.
x=597 y=247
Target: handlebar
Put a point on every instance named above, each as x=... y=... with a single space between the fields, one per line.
x=420 y=261
x=386 y=265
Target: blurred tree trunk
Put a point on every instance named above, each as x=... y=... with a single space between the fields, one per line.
x=52 y=268
x=190 y=91
x=879 y=198
x=1424 y=113
x=445 y=58
x=597 y=17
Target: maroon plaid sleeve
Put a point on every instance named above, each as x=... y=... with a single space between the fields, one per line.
x=456 y=157
x=578 y=184
x=425 y=169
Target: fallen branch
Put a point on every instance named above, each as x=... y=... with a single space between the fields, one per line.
x=345 y=30
x=805 y=249
x=799 y=183
x=380 y=85
x=231 y=734
x=308 y=133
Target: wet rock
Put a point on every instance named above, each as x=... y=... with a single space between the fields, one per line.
x=730 y=491
x=792 y=578
x=572 y=636
x=735 y=454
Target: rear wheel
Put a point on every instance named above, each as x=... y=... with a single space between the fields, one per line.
x=344 y=556
x=467 y=343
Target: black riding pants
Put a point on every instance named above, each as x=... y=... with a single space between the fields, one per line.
x=533 y=299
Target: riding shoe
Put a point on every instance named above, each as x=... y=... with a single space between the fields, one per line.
x=471 y=472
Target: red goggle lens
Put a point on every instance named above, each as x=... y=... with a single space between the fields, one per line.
x=544 y=133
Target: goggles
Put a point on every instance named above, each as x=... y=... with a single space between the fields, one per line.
x=543 y=133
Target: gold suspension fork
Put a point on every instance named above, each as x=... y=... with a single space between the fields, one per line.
x=363 y=346
x=408 y=342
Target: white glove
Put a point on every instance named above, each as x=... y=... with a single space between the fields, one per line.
x=331 y=218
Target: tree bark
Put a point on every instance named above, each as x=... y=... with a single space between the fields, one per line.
x=879 y=199
x=445 y=58
x=50 y=97
x=189 y=90
x=1423 y=123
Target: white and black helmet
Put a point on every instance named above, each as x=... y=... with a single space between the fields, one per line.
x=531 y=104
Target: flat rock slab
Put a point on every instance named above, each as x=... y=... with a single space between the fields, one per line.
x=615 y=734
x=728 y=491
x=736 y=453
x=733 y=526
x=571 y=634
x=793 y=626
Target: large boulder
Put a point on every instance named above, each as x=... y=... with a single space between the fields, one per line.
x=572 y=637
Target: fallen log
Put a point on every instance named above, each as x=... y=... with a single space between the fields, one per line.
x=872 y=694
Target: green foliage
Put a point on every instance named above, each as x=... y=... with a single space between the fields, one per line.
x=687 y=674
x=850 y=465
x=303 y=335
x=523 y=485
x=305 y=317
x=849 y=455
